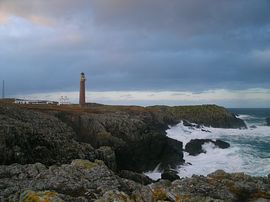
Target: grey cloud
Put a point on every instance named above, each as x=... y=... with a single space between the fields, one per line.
x=182 y=16
x=136 y=45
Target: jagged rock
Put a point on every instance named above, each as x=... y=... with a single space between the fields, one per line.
x=28 y=137
x=80 y=179
x=107 y=155
x=169 y=174
x=194 y=147
x=137 y=177
x=268 y=121
x=191 y=125
x=221 y=144
x=253 y=127
x=115 y=196
x=204 y=130
x=147 y=154
x=93 y=181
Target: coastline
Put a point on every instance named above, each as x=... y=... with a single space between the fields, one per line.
x=123 y=137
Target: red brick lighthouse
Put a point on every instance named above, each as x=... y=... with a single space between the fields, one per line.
x=82 y=89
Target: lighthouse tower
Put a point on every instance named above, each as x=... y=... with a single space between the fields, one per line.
x=82 y=89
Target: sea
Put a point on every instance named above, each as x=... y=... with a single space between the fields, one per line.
x=249 y=151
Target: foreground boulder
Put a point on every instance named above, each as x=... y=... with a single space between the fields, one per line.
x=107 y=155
x=218 y=186
x=83 y=180
x=169 y=174
x=194 y=147
x=268 y=121
x=137 y=177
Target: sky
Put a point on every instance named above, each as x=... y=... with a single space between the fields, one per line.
x=143 y=52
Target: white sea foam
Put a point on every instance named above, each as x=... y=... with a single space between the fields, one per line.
x=249 y=151
x=245 y=116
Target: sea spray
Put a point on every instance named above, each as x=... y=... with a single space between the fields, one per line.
x=249 y=151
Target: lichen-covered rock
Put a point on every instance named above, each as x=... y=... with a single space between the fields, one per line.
x=85 y=164
x=93 y=181
x=137 y=177
x=44 y=196
x=80 y=179
x=114 y=196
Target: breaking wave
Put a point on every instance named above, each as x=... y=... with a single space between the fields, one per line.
x=249 y=151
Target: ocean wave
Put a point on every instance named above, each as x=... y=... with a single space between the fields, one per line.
x=245 y=117
x=248 y=152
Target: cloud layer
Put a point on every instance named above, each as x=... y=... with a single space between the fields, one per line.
x=127 y=45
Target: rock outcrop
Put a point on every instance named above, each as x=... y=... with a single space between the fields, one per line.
x=194 y=147
x=27 y=137
x=207 y=115
x=169 y=174
x=136 y=177
x=107 y=155
x=218 y=186
x=81 y=180
x=146 y=154
x=137 y=135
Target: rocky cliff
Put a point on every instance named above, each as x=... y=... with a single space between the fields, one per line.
x=52 y=135
x=27 y=136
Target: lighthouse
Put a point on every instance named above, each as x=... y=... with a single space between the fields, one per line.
x=82 y=89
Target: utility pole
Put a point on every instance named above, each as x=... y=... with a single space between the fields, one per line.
x=3 y=89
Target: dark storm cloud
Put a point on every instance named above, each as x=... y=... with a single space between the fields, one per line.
x=134 y=45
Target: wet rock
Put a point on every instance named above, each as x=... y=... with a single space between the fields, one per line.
x=137 y=177
x=145 y=155
x=204 y=130
x=268 y=121
x=191 y=125
x=194 y=147
x=253 y=127
x=169 y=174
x=221 y=144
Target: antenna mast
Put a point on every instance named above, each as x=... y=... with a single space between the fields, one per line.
x=3 y=90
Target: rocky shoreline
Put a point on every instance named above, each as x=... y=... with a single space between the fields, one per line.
x=83 y=180
x=39 y=145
